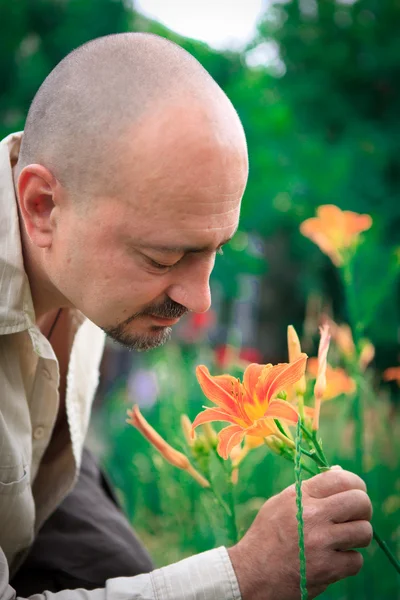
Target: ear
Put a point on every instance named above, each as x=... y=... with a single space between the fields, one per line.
x=36 y=190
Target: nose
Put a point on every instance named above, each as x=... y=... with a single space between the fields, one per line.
x=191 y=287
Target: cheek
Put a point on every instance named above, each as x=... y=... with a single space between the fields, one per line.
x=120 y=284
x=100 y=277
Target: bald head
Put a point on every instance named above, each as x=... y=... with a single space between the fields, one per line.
x=98 y=93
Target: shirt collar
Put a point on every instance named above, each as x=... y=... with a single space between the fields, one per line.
x=16 y=306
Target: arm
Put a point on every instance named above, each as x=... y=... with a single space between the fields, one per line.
x=208 y=575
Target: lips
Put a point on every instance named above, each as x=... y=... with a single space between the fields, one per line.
x=164 y=322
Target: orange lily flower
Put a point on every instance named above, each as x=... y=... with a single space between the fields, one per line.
x=251 y=406
x=174 y=457
x=343 y=337
x=320 y=384
x=392 y=374
x=335 y=230
x=337 y=380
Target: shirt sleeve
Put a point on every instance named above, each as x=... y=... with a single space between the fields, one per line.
x=205 y=576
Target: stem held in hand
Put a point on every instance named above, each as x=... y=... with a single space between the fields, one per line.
x=299 y=515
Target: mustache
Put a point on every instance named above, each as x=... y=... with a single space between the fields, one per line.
x=168 y=310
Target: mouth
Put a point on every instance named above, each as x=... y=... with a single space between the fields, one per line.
x=163 y=322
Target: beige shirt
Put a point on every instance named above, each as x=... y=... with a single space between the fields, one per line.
x=32 y=483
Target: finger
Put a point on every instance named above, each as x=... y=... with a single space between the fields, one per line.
x=353 y=505
x=343 y=564
x=333 y=482
x=347 y=536
x=348 y=564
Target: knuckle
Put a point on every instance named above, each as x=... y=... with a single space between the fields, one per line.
x=311 y=512
x=349 y=481
x=316 y=539
x=338 y=480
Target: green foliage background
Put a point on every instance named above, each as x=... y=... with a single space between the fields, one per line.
x=327 y=131
x=322 y=128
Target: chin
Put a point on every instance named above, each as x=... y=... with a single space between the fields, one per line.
x=152 y=338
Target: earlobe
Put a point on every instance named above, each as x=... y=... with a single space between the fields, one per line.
x=36 y=186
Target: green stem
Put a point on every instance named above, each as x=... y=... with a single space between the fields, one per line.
x=352 y=301
x=221 y=501
x=318 y=448
x=283 y=432
x=358 y=407
x=357 y=328
x=314 y=457
x=233 y=525
x=312 y=439
x=383 y=545
x=299 y=515
x=289 y=456
x=231 y=508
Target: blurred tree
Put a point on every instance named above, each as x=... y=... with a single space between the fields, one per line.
x=36 y=35
x=323 y=129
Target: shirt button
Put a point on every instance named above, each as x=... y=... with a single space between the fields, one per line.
x=38 y=433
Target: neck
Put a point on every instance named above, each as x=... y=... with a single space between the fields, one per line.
x=46 y=299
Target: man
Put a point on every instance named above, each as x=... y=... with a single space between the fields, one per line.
x=127 y=183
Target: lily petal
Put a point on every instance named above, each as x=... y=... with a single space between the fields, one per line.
x=356 y=223
x=263 y=428
x=281 y=376
x=176 y=458
x=229 y=437
x=216 y=388
x=279 y=409
x=209 y=415
x=251 y=376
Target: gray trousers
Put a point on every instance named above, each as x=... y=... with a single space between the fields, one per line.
x=86 y=541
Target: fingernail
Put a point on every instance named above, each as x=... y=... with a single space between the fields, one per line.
x=336 y=467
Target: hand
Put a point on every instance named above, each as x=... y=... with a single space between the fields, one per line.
x=336 y=513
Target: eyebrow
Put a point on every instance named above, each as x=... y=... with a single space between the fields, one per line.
x=183 y=249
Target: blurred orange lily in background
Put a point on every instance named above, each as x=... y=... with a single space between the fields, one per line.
x=250 y=406
x=343 y=338
x=337 y=380
x=335 y=230
x=320 y=384
x=392 y=374
x=174 y=457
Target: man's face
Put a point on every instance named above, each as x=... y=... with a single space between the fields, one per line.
x=136 y=261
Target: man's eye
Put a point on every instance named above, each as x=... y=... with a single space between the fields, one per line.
x=159 y=266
